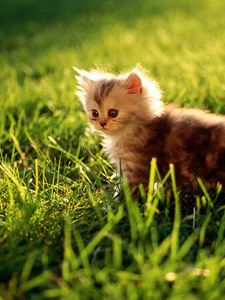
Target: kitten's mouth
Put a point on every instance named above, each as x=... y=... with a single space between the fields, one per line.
x=105 y=129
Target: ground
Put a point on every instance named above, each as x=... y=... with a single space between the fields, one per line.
x=64 y=234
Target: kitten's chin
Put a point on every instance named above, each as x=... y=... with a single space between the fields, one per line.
x=106 y=131
x=109 y=131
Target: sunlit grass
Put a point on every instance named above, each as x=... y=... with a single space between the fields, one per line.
x=65 y=231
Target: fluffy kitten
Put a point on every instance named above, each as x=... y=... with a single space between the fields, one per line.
x=127 y=111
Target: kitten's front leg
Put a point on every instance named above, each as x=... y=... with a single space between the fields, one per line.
x=136 y=173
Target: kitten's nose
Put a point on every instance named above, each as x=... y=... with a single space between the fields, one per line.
x=102 y=123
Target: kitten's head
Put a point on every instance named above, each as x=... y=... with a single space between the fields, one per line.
x=114 y=103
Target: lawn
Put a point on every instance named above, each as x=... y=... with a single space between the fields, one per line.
x=65 y=232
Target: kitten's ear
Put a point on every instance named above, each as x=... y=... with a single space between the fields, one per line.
x=133 y=83
x=83 y=78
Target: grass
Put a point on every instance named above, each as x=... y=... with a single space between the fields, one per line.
x=63 y=232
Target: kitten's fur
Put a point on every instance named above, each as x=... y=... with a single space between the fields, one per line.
x=191 y=139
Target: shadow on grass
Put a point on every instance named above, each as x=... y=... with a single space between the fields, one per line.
x=15 y=12
x=26 y=18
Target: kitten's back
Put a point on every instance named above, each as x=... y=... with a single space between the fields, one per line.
x=194 y=141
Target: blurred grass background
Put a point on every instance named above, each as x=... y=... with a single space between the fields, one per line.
x=179 y=42
x=62 y=233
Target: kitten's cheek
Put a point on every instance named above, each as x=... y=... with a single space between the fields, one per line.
x=93 y=123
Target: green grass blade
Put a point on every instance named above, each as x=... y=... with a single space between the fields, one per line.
x=177 y=217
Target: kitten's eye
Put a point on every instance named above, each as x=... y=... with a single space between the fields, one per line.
x=94 y=113
x=113 y=113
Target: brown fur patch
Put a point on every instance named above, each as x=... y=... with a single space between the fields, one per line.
x=103 y=90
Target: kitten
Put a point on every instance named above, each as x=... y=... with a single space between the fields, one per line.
x=128 y=112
